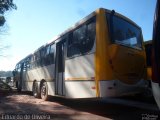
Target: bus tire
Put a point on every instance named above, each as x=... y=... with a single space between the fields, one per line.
x=35 y=90
x=17 y=84
x=44 y=91
x=19 y=89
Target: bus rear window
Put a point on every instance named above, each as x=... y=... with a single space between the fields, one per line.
x=125 y=33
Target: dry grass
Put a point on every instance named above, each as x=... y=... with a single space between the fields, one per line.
x=4 y=88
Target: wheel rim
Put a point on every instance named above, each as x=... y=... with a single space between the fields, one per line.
x=35 y=90
x=43 y=91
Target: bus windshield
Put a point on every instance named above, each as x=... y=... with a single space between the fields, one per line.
x=125 y=33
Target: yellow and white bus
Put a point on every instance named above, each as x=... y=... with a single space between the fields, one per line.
x=100 y=56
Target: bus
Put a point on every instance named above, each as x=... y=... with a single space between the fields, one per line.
x=100 y=56
x=156 y=55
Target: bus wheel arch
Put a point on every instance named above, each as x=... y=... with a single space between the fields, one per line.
x=35 y=89
x=44 y=90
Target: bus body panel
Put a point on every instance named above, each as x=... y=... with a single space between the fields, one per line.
x=79 y=80
x=127 y=63
x=83 y=68
x=115 y=88
x=46 y=73
x=51 y=88
x=116 y=61
x=42 y=73
x=80 y=89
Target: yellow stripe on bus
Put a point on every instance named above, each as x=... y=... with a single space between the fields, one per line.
x=81 y=78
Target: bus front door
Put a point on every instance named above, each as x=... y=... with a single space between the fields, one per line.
x=59 y=82
x=20 y=78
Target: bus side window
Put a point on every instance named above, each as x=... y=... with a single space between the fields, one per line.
x=19 y=68
x=82 y=40
x=70 y=45
x=42 y=56
x=76 y=41
x=91 y=34
x=49 y=54
x=32 y=64
x=47 y=61
x=25 y=66
x=16 y=70
x=52 y=50
x=37 y=59
x=28 y=63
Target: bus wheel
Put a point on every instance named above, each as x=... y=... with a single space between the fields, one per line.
x=19 y=90
x=18 y=87
x=35 y=90
x=44 y=91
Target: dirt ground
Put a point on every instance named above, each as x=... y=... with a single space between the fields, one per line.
x=25 y=106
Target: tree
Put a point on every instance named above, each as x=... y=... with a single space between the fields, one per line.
x=5 y=5
x=2 y=20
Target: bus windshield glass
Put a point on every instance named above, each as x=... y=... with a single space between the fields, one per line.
x=125 y=33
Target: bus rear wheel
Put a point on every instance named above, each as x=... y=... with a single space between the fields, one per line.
x=19 y=87
x=35 y=90
x=44 y=91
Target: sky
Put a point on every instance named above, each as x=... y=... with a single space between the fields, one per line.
x=35 y=22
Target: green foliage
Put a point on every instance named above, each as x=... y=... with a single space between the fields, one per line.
x=2 y=20
x=5 y=5
x=4 y=86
